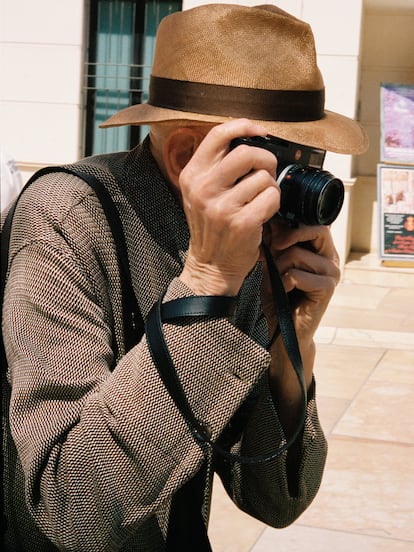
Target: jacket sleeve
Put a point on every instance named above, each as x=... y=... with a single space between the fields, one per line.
x=102 y=450
x=277 y=491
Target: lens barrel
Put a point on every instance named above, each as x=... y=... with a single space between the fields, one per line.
x=309 y=196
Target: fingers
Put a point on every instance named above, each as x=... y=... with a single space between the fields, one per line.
x=317 y=238
x=316 y=277
x=225 y=168
x=244 y=161
x=317 y=287
x=296 y=260
x=215 y=145
x=240 y=184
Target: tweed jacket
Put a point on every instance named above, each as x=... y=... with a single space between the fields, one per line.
x=98 y=447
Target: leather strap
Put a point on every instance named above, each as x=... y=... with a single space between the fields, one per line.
x=199 y=306
x=206 y=305
x=286 y=326
x=234 y=101
x=132 y=319
x=219 y=307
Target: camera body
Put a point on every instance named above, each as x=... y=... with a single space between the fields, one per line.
x=309 y=195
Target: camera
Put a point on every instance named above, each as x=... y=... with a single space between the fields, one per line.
x=309 y=195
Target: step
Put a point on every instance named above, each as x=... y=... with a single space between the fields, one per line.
x=368 y=268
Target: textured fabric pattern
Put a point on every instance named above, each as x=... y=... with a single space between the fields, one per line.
x=100 y=452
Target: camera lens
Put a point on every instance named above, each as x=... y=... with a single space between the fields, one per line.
x=330 y=200
x=308 y=195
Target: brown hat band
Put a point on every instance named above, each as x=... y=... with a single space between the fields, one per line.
x=235 y=101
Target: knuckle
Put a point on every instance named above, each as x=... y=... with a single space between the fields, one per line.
x=197 y=201
x=268 y=176
x=244 y=225
x=217 y=210
x=219 y=131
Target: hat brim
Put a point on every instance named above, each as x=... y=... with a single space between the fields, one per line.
x=334 y=132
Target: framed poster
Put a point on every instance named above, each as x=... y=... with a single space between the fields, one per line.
x=397 y=123
x=396 y=212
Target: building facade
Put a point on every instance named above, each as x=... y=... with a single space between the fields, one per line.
x=67 y=65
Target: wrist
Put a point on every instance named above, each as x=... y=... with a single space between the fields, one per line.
x=208 y=281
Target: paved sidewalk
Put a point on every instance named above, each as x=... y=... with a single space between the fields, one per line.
x=365 y=389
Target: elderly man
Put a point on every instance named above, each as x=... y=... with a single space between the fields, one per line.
x=104 y=453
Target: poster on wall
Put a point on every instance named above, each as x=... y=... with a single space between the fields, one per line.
x=396 y=209
x=397 y=123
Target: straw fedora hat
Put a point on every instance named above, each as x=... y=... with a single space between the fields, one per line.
x=216 y=62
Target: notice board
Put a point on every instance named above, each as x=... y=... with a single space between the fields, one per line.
x=396 y=211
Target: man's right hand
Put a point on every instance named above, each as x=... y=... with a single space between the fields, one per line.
x=227 y=197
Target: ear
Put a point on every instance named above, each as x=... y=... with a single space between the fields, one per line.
x=178 y=149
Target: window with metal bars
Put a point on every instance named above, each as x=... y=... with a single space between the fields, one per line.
x=118 y=66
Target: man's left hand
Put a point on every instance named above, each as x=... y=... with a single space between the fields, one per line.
x=314 y=271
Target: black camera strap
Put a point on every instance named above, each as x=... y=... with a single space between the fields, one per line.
x=219 y=306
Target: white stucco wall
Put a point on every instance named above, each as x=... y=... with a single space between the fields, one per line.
x=41 y=45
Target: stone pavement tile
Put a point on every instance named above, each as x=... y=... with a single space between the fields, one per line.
x=358 y=296
x=341 y=371
x=399 y=300
x=371 y=307
x=374 y=338
x=367 y=268
x=365 y=337
x=367 y=489
x=297 y=538
x=325 y=334
x=345 y=317
x=330 y=410
x=364 y=504
x=230 y=529
x=383 y=411
x=384 y=407
x=365 y=389
x=395 y=366
x=409 y=321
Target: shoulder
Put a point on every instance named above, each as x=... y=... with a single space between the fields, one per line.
x=49 y=199
x=59 y=209
x=54 y=191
